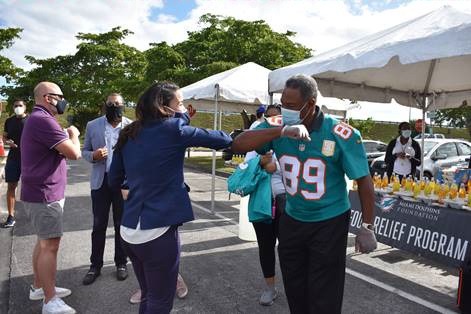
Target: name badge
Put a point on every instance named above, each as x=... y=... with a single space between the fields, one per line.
x=328 y=148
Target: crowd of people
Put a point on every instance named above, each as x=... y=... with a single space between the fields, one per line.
x=307 y=152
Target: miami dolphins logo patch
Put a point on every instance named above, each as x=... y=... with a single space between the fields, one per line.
x=386 y=203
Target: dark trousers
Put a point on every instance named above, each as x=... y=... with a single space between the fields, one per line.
x=267 y=233
x=156 y=265
x=102 y=200
x=312 y=261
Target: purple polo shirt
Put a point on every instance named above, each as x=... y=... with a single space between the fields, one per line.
x=43 y=169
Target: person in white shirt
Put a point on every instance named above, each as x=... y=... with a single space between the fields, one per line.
x=403 y=154
x=260 y=113
x=267 y=231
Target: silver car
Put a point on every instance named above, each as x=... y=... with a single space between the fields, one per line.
x=438 y=153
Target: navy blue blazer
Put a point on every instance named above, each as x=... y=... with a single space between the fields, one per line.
x=152 y=164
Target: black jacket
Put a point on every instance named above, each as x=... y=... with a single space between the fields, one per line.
x=390 y=158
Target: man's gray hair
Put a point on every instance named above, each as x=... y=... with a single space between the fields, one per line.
x=306 y=85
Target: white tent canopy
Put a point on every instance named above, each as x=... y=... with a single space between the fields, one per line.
x=243 y=87
x=429 y=56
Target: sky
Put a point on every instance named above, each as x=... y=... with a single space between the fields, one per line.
x=50 y=26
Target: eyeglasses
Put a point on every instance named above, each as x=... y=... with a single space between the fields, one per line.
x=57 y=95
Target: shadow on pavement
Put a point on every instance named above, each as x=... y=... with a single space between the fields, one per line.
x=398 y=256
x=222 y=282
x=396 y=281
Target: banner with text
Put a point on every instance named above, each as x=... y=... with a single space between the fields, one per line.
x=438 y=233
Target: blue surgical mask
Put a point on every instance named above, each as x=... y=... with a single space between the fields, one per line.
x=291 y=117
x=406 y=133
x=183 y=115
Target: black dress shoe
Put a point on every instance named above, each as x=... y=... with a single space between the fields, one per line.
x=121 y=272
x=91 y=275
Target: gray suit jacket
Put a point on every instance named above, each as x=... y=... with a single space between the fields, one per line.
x=94 y=139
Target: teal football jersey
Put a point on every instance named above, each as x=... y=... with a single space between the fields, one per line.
x=314 y=172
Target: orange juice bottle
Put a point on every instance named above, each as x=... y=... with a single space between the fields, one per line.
x=447 y=187
x=436 y=188
x=442 y=193
x=403 y=182
x=385 y=181
x=428 y=188
x=396 y=186
x=375 y=181
x=462 y=192
x=422 y=184
x=408 y=186
x=453 y=193
x=416 y=189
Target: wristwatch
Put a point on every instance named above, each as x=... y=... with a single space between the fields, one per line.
x=368 y=226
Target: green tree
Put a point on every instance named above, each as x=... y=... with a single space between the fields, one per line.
x=230 y=40
x=7 y=37
x=163 y=63
x=104 y=64
x=457 y=117
x=364 y=126
x=101 y=65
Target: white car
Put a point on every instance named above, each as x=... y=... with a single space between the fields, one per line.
x=438 y=153
x=428 y=135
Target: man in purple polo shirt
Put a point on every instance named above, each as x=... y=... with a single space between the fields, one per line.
x=45 y=146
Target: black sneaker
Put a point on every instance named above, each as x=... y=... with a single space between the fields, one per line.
x=10 y=222
x=91 y=275
x=121 y=272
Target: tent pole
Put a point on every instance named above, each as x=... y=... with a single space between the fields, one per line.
x=422 y=151
x=220 y=119
x=431 y=69
x=213 y=168
x=270 y=99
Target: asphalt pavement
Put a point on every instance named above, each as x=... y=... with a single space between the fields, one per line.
x=222 y=271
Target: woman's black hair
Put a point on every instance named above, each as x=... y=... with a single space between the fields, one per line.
x=150 y=107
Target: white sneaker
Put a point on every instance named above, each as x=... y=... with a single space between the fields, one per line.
x=38 y=294
x=57 y=306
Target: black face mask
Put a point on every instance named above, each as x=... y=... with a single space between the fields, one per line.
x=61 y=105
x=114 y=114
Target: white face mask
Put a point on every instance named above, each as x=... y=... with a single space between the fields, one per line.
x=406 y=133
x=19 y=111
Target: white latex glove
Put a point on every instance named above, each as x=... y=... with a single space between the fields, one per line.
x=365 y=241
x=297 y=132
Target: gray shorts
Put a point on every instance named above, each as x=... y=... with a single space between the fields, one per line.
x=46 y=218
